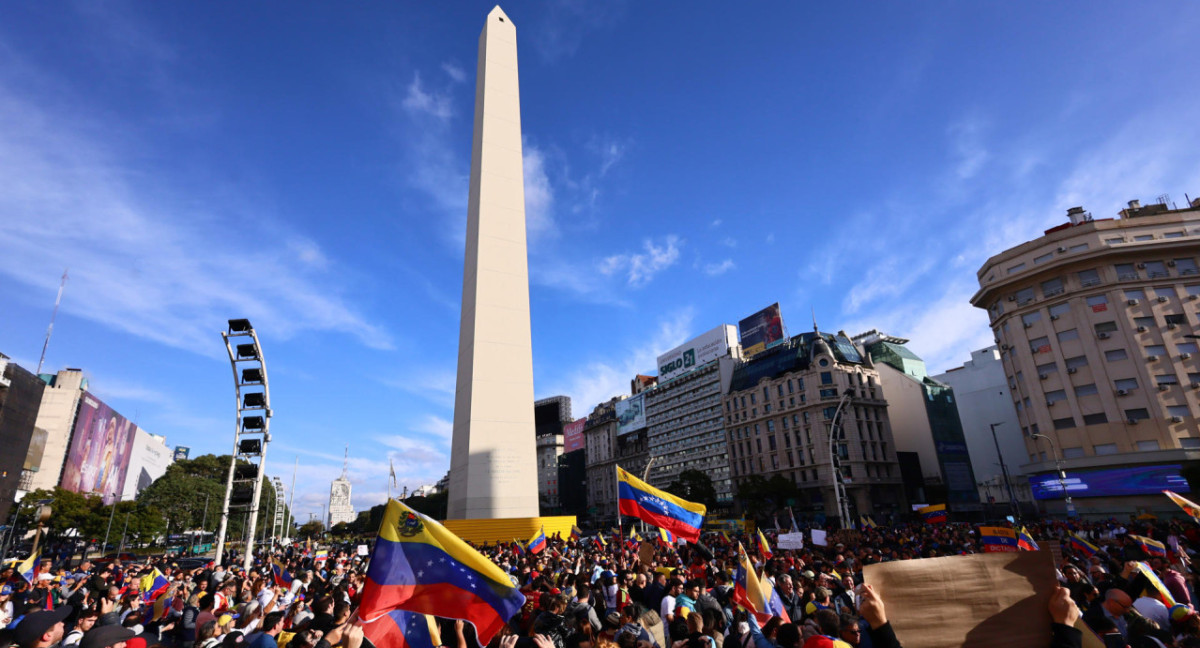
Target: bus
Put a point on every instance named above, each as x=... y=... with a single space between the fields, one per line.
x=190 y=543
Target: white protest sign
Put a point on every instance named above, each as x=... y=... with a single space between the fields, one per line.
x=791 y=541
x=362 y=550
x=818 y=538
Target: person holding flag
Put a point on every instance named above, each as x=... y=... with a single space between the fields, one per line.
x=1025 y=541
x=637 y=499
x=538 y=543
x=764 y=548
x=418 y=566
x=759 y=598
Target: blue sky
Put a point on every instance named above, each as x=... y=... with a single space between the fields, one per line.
x=305 y=165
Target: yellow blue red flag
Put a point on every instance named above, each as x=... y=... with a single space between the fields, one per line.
x=998 y=539
x=1188 y=506
x=640 y=500
x=935 y=514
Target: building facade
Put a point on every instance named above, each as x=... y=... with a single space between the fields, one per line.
x=925 y=421
x=1094 y=322
x=56 y=416
x=600 y=440
x=983 y=402
x=340 y=508
x=550 y=415
x=20 y=398
x=780 y=411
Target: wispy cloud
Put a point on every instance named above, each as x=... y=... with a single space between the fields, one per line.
x=418 y=100
x=642 y=267
x=436 y=385
x=454 y=71
x=967 y=149
x=715 y=269
x=539 y=196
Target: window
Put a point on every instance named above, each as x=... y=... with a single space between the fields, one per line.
x=771 y=428
x=1072 y=453
x=826 y=378
x=1068 y=335
x=1016 y=268
x=1086 y=390
x=1186 y=347
x=1144 y=237
x=1147 y=446
x=1106 y=327
x=1052 y=287
x=771 y=443
x=1044 y=258
x=766 y=393
x=767 y=408
x=1076 y=362
x=1105 y=449
x=1094 y=419
x=1128 y=384
x=1166 y=379
x=829 y=393
x=1058 y=310
x=1178 y=319
x=1029 y=318
x=1066 y=424
x=1185 y=266
x=1178 y=410
x=1135 y=293
x=1137 y=414
x=1126 y=271
x=1156 y=269
x=1046 y=369
x=1156 y=350
x=828 y=413
x=1168 y=235
x=753 y=400
x=1078 y=247
x=1024 y=296
x=1114 y=241
x=1099 y=303
x=1089 y=277
x=1193 y=289
x=1040 y=345
x=1115 y=354
x=1056 y=396
x=1146 y=322
x=1190 y=443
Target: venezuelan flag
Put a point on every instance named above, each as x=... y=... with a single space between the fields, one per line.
x=408 y=630
x=935 y=514
x=322 y=554
x=1161 y=592
x=1025 y=541
x=600 y=540
x=576 y=532
x=998 y=539
x=759 y=598
x=1153 y=548
x=1083 y=546
x=871 y=523
x=538 y=543
x=634 y=536
x=640 y=500
x=153 y=585
x=518 y=547
x=28 y=569
x=666 y=536
x=867 y=522
x=1188 y=506
x=764 y=549
x=420 y=566
x=283 y=577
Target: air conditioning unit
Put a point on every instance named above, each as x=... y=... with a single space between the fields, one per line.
x=1170 y=264
x=1172 y=326
x=1072 y=370
x=1012 y=298
x=1151 y=358
x=1195 y=385
x=1141 y=266
x=1062 y=249
x=1122 y=392
x=1141 y=329
x=1163 y=387
x=1050 y=403
x=1162 y=300
x=1132 y=421
x=1028 y=324
x=1132 y=302
x=1043 y=376
x=1103 y=336
x=1054 y=318
x=1177 y=419
x=1193 y=297
x=1185 y=356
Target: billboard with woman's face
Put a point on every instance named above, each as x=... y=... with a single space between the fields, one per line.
x=100 y=448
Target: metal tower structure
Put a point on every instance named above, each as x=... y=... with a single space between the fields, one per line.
x=280 y=506
x=251 y=433
x=53 y=316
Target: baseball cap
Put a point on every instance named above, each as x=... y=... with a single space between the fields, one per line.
x=6 y=590
x=33 y=626
x=105 y=636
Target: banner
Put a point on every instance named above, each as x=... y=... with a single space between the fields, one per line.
x=761 y=330
x=101 y=444
x=696 y=352
x=631 y=414
x=573 y=435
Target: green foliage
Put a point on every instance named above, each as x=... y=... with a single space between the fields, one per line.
x=694 y=486
x=85 y=513
x=311 y=529
x=181 y=493
x=761 y=497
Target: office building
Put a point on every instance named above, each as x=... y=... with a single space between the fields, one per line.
x=1095 y=321
x=600 y=439
x=56 y=416
x=20 y=398
x=550 y=416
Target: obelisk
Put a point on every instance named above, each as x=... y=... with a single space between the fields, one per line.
x=493 y=460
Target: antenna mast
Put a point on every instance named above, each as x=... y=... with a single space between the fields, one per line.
x=345 y=461
x=57 y=300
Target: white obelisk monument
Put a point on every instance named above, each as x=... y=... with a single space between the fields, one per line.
x=493 y=460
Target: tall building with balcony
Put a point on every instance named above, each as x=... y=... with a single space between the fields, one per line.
x=600 y=460
x=779 y=414
x=1096 y=321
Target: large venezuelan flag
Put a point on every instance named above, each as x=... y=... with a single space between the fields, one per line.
x=1153 y=548
x=1160 y=590
x=759 y=598
x=420 y=566
x=28 y=569
x=283 y=577
x=640 y=500
x=935 y=514
x=998 y=539
x=1188 y=506
x=153 y=585
x=538 y=543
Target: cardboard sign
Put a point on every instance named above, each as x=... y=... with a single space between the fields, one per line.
x=998 y=600
x=646 y=553
x=818 y=537
x=1055 y=549
x=791 y=541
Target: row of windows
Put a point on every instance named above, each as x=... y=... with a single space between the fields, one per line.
x=1102 y=449
x=1091 y=277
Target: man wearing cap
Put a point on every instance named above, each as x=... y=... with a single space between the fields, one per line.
x=109 y=636
x=42 y=629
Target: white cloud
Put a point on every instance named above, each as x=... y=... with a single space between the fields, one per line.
x=714 y=269
x=419 y=101
x=611 y=153
x=436 y=385
x=641 y=267
x=729 y=242
x=454 y=71
x=771 y=238
x=967 y=148
x=539 y=196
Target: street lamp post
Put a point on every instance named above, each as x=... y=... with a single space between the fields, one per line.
x=1012 y=498
x=104 y=547
x=123 y=531
x=1062 y=475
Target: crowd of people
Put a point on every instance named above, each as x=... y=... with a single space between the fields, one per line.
x=605 y=591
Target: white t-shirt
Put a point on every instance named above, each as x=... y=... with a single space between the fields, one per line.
x=668 y=607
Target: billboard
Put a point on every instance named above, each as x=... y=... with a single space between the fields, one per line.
x=147 y=462
x=761 y=330
x=182 y=452
x=1142 y=480
x=631 y=414
x=100 y=447
x=696 y=352
x=573 y=435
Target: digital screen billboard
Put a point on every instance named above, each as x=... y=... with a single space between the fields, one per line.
x=631 y=414
x=147 y=462
x=182 y=452
x=573 y=435
x=1142 y=480
x=696 y=352
x=101 y=445
x=761 y=330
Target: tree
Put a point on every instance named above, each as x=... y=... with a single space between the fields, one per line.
x=311 y=529
x=694 y=486
x=435 y=505
x=180 y=496
x=761 y=497
x=85 y=514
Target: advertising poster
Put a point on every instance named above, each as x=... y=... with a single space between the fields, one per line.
x=761 y=330
x=696 y=352
x=182 y=452
x=573 y=435
x=147 y=462
x=631 y=414
x=100 y=448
